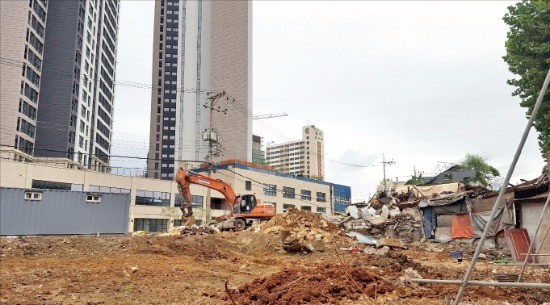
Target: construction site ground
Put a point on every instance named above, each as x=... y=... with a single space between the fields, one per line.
x=155 y=269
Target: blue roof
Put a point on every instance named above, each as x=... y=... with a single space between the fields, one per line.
x=264 y=171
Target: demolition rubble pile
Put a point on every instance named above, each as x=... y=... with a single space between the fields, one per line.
x=385 y=217
x=302 y=231
x=193 y=230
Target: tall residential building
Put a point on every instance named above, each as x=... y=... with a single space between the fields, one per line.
x=22 y=26
x=75 y=117
x=301 y=158
x=200 y=49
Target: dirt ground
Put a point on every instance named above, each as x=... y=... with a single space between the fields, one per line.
x=156 y=269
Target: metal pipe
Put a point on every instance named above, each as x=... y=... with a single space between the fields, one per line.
x=520 y=278
x=482 y=283
x=503 y=187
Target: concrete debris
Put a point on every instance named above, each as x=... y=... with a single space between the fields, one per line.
x=374 y=251
x=193 y=230
x=364 y=239
x=411 y=273
x=302 y=231
x=392 y=243
x=405 y=226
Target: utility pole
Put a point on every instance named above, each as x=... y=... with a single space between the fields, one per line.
x=384 y=168
x=211 y=135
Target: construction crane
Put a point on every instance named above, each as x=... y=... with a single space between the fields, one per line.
x=269 y=116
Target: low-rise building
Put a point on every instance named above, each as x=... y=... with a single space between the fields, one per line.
x=155 y=204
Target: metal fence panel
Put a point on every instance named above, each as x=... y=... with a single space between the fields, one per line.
x=62 y=212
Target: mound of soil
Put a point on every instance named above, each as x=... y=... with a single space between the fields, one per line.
x=328 y=284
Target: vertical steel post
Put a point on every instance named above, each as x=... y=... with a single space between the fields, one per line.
x=503 y=188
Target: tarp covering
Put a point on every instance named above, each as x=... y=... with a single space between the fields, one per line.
x=444 y=200
x=429 y=222
x=457 y=208
x=503 y=219
x=461 y=227
x=429 y=190
x=448 y=205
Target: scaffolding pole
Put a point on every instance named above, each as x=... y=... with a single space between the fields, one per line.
x=531 y=246
x=482 y=283
x=503 y=188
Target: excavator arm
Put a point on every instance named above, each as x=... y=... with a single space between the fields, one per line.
x=185 y=179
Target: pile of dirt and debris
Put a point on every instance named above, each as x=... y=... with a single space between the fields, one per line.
x=193 y=230
x=327 y=284
x=302 y=231
x=403 y=224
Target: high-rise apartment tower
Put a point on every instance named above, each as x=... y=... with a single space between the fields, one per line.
x=200 y=48
x=75 y=117
x=22 y=26
x=58 y=79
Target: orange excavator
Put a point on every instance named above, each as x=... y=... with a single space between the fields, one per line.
x=245 y=209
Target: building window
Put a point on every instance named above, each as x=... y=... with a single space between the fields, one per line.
x=33 y=196
x=248 y=185
x=306 y=208
x=196 y=201
x=152 y=198
x=150 y=225
x=217 y=204
x=270 y=190
x=305 y=195
x=321 y=210
x=288 y=192
x=107 y=189
x=93 y=198
x=287 y=206
x=321 y=197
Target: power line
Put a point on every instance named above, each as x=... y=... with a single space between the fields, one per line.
x=112 y=156
x=71 y=75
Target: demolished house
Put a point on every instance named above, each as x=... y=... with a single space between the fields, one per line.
x=530 y=198
x=451 y=211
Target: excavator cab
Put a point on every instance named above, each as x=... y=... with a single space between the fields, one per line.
x=245 y=204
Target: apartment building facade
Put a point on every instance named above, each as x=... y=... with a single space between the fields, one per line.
x=58 y=61
x=23 y=25
x=303 y=157
x=200 y=49
x=78 y=86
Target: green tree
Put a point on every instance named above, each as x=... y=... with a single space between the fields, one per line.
x=415 y=180
x=528 y=56
x=484 y=171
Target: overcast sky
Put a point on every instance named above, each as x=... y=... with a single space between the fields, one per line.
x=421 y=82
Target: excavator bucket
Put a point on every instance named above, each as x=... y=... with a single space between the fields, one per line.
x=183 y=186
x=187 y=221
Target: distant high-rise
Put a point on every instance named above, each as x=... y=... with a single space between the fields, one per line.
x=75 y=116
x=302 y=157
x=200 y=48
x=22 y=26
x=258 y=155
